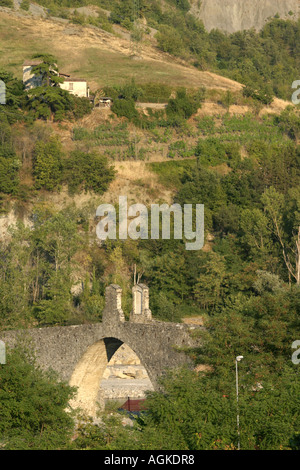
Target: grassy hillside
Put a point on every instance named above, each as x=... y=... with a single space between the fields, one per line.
x=100 y=57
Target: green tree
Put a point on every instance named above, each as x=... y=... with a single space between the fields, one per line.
x=37 y=271
x=118 y=273
x=33 y=405
x=47 y=70
x=125 y=108
x=49 y=101
x=169 y=40
x=288 y=240
x=164 y=308
x=122 y=13
x=14 y=89
x=87 y=171
x=255 y=232
x=262 y=94
x=182 y=4
x=211 y=286
x=9 y=172
x=15 y=278
x=288 y=120
x=130 y=91
x=15 y=98
x=55 y=243
x=47 y=164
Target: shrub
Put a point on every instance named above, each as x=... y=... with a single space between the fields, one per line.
x=155 y=92
x=25 y=4
x=88 y=172
x=81 y=106
x=179 y=149
x=182 y=106
x=6 y=3
x=263 y=94
x=214 y=151
x=125 y=108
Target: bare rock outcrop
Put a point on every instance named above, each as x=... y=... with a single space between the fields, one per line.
x=238 y=15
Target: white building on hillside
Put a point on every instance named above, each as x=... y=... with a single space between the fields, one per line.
x=31 y=80
x=76 y=86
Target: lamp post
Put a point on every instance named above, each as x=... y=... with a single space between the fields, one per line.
x=237 y=359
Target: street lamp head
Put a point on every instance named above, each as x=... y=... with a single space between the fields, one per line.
x=239 y=358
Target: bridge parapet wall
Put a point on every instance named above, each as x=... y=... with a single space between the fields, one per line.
x=60 y=348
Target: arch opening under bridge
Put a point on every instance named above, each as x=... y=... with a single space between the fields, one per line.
x=89 y=371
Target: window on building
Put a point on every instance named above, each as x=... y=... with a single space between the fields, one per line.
x=71 y=86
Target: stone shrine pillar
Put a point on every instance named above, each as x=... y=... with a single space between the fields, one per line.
x=113 y=304
x=140 y=304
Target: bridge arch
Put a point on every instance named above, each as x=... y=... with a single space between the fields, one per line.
x=89 y=371
x=80 y=353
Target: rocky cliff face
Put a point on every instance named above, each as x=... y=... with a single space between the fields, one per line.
x=237 y=15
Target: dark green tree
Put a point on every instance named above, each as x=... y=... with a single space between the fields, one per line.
x=47 y=165
x=47 y=70
x=88 y=171
x=33 y=405
x=46 y=101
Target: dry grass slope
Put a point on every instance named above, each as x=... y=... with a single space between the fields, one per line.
x=98 y=56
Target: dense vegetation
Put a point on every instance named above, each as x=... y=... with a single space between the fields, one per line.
x=33 y=404
x=244 y=284
x=196 y=411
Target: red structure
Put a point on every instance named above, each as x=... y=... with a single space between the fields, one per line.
x=133 y=405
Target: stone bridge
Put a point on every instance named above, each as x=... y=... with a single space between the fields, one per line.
x=81 y=353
